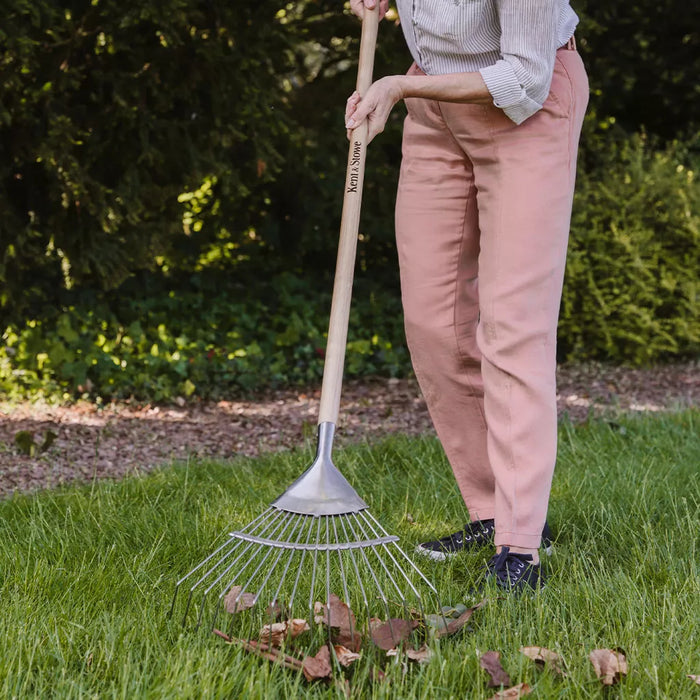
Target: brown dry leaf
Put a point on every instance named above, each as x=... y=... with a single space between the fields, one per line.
x=375 y=622
x=694 y=678
x=335 y=614
x=542 y=657
x=319 y=666
x=517 y=691
x=609 y=665
x=422 y=655
x=490 y=661
x=351 y=639
x=345 y=656
x=457 y=624
x=236 y=601
x=391 y=633
x=277 y=632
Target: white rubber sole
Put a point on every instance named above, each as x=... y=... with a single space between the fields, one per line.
x=442 y=556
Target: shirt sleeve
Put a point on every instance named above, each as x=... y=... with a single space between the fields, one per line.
x=519 y=82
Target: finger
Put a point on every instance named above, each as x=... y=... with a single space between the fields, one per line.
x=358 y=8
x=355 y=120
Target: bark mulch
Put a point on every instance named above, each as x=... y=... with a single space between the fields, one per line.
x=122 y=438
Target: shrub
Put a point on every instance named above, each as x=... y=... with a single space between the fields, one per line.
x=631 y=290
x=190 y=343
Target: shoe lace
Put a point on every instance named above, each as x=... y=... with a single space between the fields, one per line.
x=509 y=566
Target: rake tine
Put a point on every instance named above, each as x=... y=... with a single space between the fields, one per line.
x=391 y=556
x=374 y=577
x=381 y=561
x=408 y=559
x=237 y=543
x=283 y=527
x=357 y=572
x=235 y=546
x=297 y=531
x=345 y=582
x=265 y=580
x=279 y=527
x=313 y=573
x=309 y=522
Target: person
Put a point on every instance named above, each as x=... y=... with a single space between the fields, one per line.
x=495 y=102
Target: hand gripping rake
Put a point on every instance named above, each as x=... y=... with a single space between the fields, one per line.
x=320 y=522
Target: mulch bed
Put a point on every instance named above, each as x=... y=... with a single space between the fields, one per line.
x=122 y=438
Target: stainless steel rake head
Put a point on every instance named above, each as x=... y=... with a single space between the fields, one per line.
x=316 y=540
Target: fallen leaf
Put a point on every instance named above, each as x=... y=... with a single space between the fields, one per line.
x=422 y=655
x=319 y=666
x=334 y=614
x=453 y=611
x=236 y=601
x=391 y=633
x=609 y=665
x=375 y=622
x=348 y=638
x=457 y=624
x=517 y=691
x=277 y=632
x=344 y=655
x=694 y=678
x=545 y=657
x=392 y=652
x=490 y=661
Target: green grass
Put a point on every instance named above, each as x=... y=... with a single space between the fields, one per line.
x=87 y=573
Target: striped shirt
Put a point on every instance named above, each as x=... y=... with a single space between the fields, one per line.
x=512 y=43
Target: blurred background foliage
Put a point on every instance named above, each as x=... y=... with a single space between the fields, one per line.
x=171 y=177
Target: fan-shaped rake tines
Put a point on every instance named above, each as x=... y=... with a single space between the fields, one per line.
x=302 y=551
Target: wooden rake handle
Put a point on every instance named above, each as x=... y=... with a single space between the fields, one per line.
x=349 y=226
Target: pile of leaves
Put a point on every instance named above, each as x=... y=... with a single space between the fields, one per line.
x=279 y=642
x=395 y=636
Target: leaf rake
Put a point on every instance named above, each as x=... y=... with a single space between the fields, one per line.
x=320 y=522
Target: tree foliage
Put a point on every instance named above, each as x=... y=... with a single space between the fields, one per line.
x=110 y=111
x=191 y=149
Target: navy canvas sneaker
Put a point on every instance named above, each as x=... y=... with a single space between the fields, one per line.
x=473 y=534
x=515 y=572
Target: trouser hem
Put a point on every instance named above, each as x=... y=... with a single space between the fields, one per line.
x=514 y=539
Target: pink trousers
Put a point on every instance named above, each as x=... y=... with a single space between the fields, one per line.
x=482 y=224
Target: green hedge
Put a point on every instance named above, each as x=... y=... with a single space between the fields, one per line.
x=631 y=290
x=630 y=297
x=193 y=343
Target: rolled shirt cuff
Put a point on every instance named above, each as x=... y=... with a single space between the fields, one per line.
x=507 y=92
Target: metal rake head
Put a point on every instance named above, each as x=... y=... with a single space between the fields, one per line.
x=316 y=540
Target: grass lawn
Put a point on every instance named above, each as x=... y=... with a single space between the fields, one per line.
x=87 y=574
